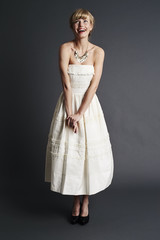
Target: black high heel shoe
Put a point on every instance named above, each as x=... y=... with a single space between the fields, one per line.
x=75 y=219
x=84 y=220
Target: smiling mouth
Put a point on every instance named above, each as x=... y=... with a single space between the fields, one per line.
x=81 y=30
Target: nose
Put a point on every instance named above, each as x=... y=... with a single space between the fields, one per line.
x=81 y=22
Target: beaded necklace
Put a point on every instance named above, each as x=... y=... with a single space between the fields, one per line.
x=82 y=58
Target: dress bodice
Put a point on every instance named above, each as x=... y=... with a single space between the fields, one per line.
x=80 y=77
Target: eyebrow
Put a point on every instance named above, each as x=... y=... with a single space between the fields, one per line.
x=81 y=18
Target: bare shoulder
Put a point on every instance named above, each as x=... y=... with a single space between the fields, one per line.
x=64 y=52
x=98 y=55
x=99 y=51
x=66 y=46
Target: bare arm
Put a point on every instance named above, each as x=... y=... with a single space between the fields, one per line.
x=98 y=67
x=63 y=66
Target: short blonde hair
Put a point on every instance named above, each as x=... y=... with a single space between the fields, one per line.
x=81 y=13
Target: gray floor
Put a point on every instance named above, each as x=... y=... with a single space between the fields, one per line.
x=115 y=214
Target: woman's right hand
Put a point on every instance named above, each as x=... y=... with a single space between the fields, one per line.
x=72 y=124
x=75 y=127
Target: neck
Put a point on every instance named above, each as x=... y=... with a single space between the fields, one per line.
x=81 y=44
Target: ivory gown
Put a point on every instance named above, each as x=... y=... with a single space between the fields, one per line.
x=79 y=163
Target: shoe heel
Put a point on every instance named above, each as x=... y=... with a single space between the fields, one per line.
x=83 y=220
x=75 y=219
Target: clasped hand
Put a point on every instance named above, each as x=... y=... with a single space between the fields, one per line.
x=73 y=121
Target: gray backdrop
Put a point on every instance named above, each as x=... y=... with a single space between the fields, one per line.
x=31 y=33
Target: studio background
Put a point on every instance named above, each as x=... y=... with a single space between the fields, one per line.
x=31 y=33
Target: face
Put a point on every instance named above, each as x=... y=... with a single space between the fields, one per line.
x=82 y=27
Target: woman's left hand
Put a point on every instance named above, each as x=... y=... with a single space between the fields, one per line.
x=74 y=118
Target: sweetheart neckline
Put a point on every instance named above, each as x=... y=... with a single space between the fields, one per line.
x=81 y=64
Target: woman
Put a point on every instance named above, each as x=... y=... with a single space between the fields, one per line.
x=79 y=158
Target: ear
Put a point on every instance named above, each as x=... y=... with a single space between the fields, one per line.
x=91 y=27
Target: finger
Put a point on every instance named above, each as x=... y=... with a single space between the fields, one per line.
x=77 y=129
x=67 y=117
x=69 y=122
x=74 y=121
x=74 y=127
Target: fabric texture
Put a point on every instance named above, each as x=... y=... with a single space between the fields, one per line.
x=79 y=163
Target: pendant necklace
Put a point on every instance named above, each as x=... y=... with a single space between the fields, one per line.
x=82 y=58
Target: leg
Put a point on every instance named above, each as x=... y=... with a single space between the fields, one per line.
x=76 y=206
x=85 y=203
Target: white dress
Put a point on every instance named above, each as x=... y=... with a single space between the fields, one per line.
x=79 y=163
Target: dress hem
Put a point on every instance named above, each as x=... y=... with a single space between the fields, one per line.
x=64 y=193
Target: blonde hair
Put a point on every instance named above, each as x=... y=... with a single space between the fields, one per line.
x=81 y=13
